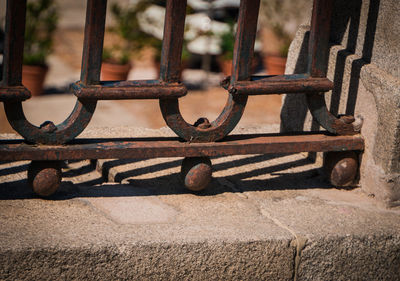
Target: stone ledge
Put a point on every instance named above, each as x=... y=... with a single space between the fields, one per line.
x=263 y=218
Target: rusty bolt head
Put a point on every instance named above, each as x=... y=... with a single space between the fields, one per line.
x=202 y=123
x=341 y=168
x=225 y=82
x=48 y=127
x=196 y=172
x=44 y=177
x=232 y=90
x=347 y=119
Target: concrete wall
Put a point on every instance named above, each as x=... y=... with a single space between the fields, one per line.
x=365 y=67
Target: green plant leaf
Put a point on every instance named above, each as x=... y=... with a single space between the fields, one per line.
x=41 y=23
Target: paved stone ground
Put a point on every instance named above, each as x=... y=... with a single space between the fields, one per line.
x=268 y=217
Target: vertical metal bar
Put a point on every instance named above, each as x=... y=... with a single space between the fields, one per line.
x=93 y=42
x=174 y=27
x=14 y=42
x=318 y=56
x=245 y=38
x=318 y=50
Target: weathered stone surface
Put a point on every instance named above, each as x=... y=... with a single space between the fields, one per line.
x=294 y=112
x=202 y=261
x=270 y=217
x=366 y=28
x=339 y=233
x=351 y=258
x=183 y=237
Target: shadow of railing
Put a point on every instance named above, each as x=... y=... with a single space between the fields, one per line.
x=136 y=177
x=347 y=31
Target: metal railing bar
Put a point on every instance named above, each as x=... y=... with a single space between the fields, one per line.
x=245 y=39
x=167 y=147
x=93 y=42
x=171 y=53
x=14 y=42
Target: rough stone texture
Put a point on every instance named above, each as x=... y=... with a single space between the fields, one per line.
x=364 y=64
x=322 y=259
x=74 y=240
x=338 y=238
x=271 y=217
x=366 y=28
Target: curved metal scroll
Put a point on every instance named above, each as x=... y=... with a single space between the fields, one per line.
x=203 y=131
x=48 y=133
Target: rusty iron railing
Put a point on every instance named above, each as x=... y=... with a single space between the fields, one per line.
x=48 y=145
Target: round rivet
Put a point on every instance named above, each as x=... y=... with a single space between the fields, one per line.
x=341 y=168
x=196 y=172
x=44 y=177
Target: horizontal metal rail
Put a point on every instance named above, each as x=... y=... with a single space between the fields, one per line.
x=279 y=84
x=118 y=90
x=173 y=147
x=14 y=93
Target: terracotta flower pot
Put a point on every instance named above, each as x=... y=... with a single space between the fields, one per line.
x=115 y=72
x=33 y=78
x=157 y=65
x=275 y=65
x=226 y=66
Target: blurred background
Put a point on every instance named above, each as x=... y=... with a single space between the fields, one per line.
x=132 y=46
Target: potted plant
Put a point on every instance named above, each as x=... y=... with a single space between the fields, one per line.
x=280 y=20
x=227 y=44
x=129 y=40
x=275 y=62
x=41 y=22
